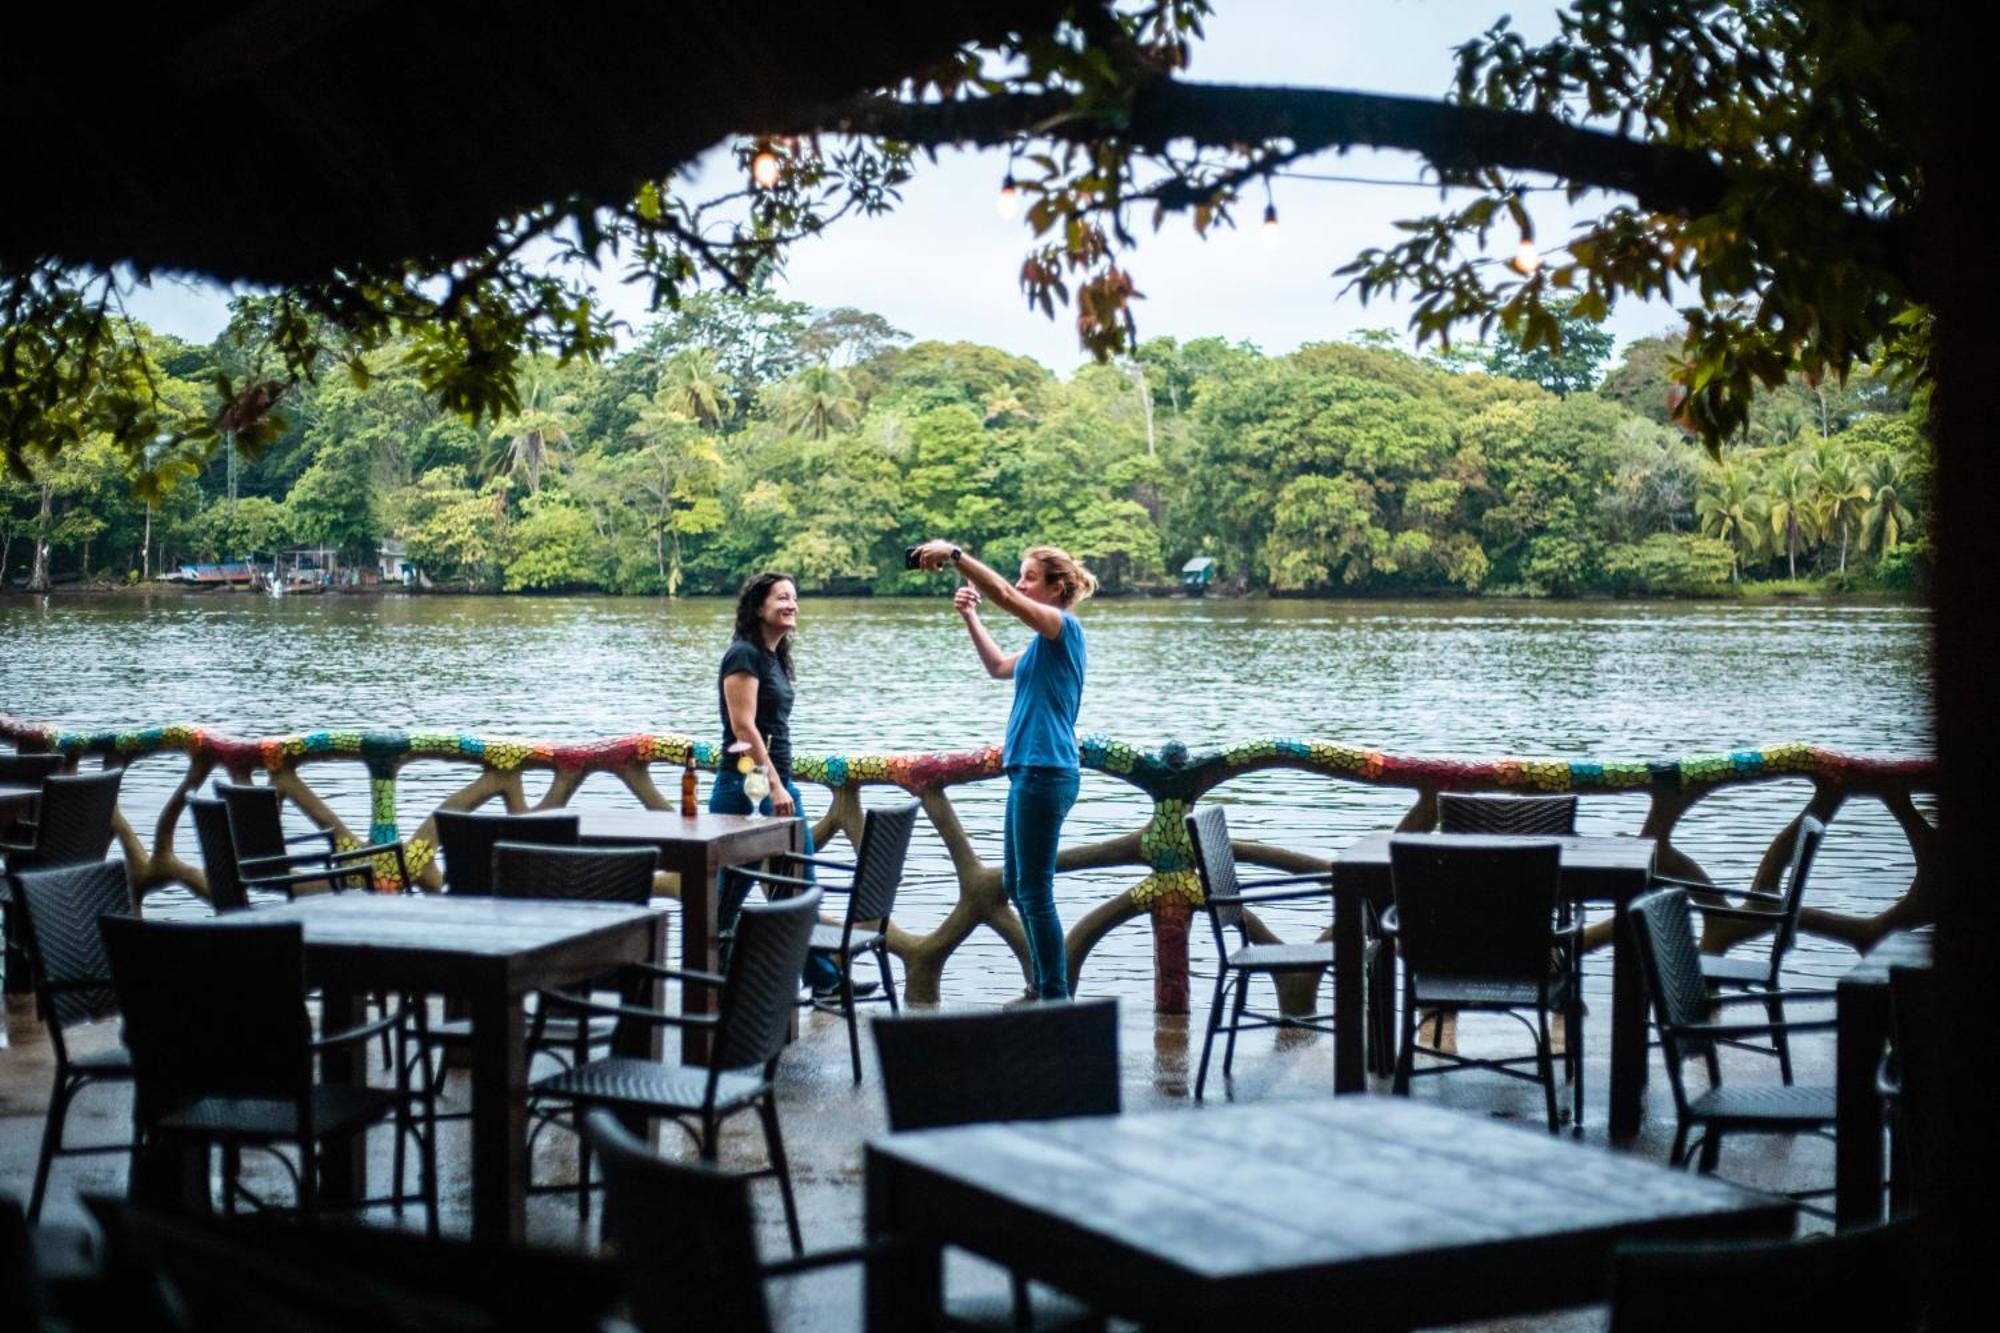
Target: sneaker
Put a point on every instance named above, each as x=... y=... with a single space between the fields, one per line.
x=1026 y=997
x=830 y=992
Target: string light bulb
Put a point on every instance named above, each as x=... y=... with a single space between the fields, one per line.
x=764 y=168
x=1008 y=205
x=1270 y=232
x=1526 y=258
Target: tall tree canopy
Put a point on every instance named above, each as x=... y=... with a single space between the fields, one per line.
x=1762 y=155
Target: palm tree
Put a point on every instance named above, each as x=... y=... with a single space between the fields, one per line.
x=1729 y=510
x=529 y=442
x=818 y=401
x=686 y=470
x=1886 y=520
x=1792 y=488
x=697 y=387
x=1843 y=491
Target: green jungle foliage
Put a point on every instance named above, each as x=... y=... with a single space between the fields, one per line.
x=745 y=434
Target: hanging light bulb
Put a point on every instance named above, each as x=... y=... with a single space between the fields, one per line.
x=1526 y=258
x=1008 y=205
x=1270 y=232
x=764 y=168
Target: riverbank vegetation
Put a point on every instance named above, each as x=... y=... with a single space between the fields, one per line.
x=743 y=433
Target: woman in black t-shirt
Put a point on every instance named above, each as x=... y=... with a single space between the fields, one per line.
x=755 y=690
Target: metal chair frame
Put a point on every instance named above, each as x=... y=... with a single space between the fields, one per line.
x=1482 y=942
x=1225 y=898
x=873 y=879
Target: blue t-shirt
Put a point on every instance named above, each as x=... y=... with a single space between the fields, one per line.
x=1048 y=690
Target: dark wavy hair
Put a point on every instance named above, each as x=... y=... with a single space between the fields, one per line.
x=749 y=616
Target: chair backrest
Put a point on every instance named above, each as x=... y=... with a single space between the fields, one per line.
x=1662 y=926
x=1869 y=1277
x=1797 y=867
x=1471 y=906
x=686 y=1234
x=1215 y=865
x=578 y=874
x=62 y=907
x=211 y=1009
x=256 y=819
x=1465 y=812
x=467 y=839
x=762 y=985
x=28 y=770
x=74 y=823
x=1038 y=1062
x=218 y=855
x=878 y=864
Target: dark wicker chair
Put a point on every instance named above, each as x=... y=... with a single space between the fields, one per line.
x=25 y=770
x=686 y=1234
x=277 y=1273
x=1508 y=816
x=265 y=855
x=1476 y=921
x=1037 y=1062
x=223 y=1052
x=1777 y=911
x=1868 y=1278
x=60 y=910
x=874 y=877
x=750 y=1033
x=72 y=826
x=1684 y=1009
x=466 y=839
x=1040 y=1062
x=552 y=870
x=1224 y=897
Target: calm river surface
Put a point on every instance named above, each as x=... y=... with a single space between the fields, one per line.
x=1475 y=679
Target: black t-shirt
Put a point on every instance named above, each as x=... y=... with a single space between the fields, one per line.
x=774 y=699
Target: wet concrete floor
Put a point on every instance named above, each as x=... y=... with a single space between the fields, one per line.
x=827 y=1119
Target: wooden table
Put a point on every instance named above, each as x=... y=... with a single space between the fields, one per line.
x=697 y=848
x=1861 y=1005
x=1350 y=1211
x=1594 y=870
x=487 y=953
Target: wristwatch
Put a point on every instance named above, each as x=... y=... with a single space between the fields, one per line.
x=957 y=554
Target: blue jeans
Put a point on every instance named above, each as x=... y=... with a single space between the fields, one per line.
x=1038 y=800
x=727 y=797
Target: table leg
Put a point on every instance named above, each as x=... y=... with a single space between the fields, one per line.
x=1862 y=1013
x=499 y=1116
x=343 y=1167
x=1628 y=1030
x=903 y=1282
x=700 y=949
x=1350 y=1024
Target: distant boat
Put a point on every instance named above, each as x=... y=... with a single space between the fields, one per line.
x=1196 y=575
x=231 y=574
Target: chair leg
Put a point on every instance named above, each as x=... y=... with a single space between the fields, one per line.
x=1407 y=1054
x=582 y=1179
x=888 y=982
x=232 y=1166
x=1775 y=1008
x=52 y=1130
x=1678 y=1153
x=1545 y=1065
x=1214 y=1021
x=847 y=1012
x=1711 y=1150
x=1236 y=1009
x=774 y=1144
x=1573 y=1054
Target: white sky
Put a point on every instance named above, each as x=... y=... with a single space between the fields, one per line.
x=944 y=265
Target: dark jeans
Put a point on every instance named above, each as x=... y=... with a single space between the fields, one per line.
x=728 y=798
x=1038 y=800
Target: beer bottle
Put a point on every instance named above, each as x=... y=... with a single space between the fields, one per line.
x=688 y=785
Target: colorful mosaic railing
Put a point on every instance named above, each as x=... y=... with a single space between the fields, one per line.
x=1172 y=777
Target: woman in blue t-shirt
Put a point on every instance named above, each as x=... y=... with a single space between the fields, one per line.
x=1040 y=754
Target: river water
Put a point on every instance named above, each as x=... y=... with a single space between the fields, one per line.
x=1479 y=679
